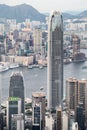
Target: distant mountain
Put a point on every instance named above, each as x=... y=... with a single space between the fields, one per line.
x=83 y=14
x=71 y=16
x=20 y=12
x=68 y=16
x=73 y=12
x=23 y=11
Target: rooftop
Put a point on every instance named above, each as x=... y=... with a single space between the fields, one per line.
x=38 y=94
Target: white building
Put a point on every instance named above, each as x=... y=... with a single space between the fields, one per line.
x=49 y=122
x=64 y=121
x=17 y=121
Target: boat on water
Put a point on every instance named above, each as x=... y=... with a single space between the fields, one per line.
x=67 y=61
x=30 y=67
x=41 y=88
x=33 y=66
x=41 y=67
x=12 y=66
x=3 y=68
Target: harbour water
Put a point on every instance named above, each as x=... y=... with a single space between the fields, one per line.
x=36 y=78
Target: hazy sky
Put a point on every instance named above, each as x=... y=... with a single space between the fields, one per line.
x=48 y=5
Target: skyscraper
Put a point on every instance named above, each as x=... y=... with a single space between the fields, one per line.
x=55 y=60
x=82 y=96
x=59 y=118
x=37 y=34
x=72 y=93
x=16 y=88
x=13 y=107
x=80 y=116
x=38 y=107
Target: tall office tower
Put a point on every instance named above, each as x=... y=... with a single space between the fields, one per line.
x=55 y=60
x=72 y=93
x=37 y=35
x=82 y=96
x=82 y=85
x=13 y=107
x=59 y=118
x=16 y=88
x=80 y=116
x=17 y=122
x=38 y=106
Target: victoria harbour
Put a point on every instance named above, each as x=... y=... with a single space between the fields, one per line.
x=36 y=78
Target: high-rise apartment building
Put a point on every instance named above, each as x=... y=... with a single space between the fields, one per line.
x=16 y=88
x=77 y=55
x=38 y=106
x=72 y=93
x=37 y=35
x=75 y=44
x=82 y=85
x=55 y=60
x=13 y=107
x=59 y=118
x=82 y=96
x=76 y=93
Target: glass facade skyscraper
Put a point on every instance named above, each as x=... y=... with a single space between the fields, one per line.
x=16 y=88
x=55 y=60
x=13 y=107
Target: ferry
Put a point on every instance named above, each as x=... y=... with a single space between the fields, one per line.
x=12 y=66
x=33 y=66
x=67 y=61
x=3 y=68
x=30 y=66
x=41 y=66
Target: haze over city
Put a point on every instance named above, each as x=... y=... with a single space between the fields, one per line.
x=47 y=6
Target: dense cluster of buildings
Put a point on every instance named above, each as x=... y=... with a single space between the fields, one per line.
x=52 y=113
x=23 y=39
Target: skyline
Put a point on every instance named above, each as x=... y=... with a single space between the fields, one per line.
x=42 y=6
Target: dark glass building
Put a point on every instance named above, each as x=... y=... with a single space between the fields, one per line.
x=80 y=118
x=16 y=88
x=13 y=107
x=55 y=60
x=1 y=121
